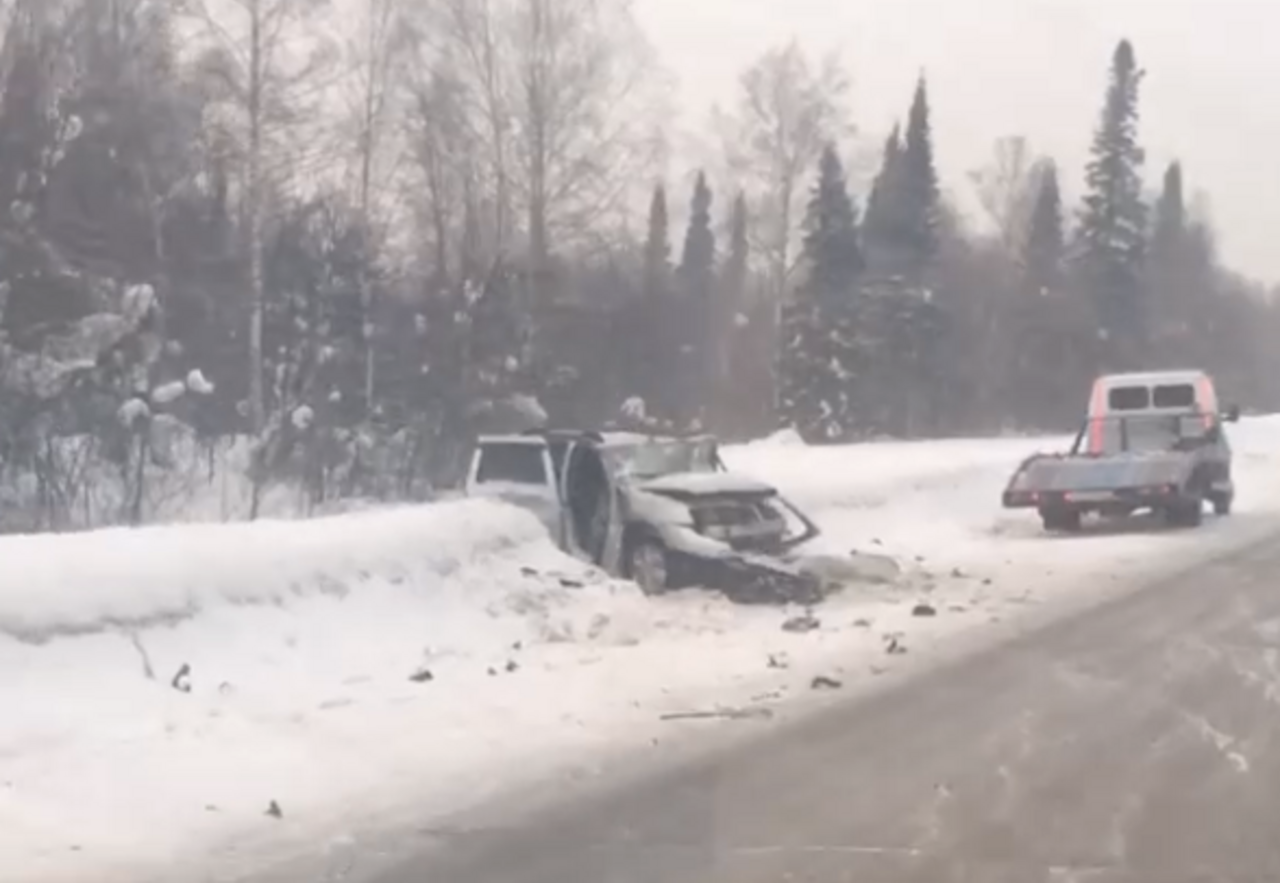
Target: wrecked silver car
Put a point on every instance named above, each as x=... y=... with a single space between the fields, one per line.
x=662 y=511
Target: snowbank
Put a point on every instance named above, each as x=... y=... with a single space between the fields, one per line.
x=54 y=584
x=162 y=687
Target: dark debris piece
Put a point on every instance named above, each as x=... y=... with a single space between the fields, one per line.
x=802 y=624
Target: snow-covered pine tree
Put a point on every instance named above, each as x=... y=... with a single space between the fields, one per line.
x=1045 y=243
x=657 y=246
x=919 y=195
x=818 y=363
x=698 y=259
x=697 y=279
x=903 y=211
x=728 y=321
x=1179 y=280
x=880 y=226
x=904 y=325
x=649 y=343
x=1113 y=221
x=1051 y=347
x=735 y=267
x=1170 y=216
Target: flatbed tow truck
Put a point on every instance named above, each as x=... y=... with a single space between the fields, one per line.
x=1151 y=442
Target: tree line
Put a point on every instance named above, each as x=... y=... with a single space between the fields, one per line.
x=327 y=245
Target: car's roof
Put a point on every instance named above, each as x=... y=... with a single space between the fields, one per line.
x=608 y=440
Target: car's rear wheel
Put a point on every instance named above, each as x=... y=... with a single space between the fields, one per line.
x=647 y=566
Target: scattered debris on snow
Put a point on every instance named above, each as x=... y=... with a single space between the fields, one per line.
x=800 y=624
x=736 y=714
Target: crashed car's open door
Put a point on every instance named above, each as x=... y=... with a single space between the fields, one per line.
x=611 y=559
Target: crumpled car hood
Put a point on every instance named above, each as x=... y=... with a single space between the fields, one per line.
x=704 y=484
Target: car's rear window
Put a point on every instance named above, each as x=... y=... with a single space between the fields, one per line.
x=1129 y=398
x=512 y=462
x=1181 y=395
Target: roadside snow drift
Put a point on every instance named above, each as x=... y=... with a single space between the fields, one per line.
x=74 y=583
x=219 y=697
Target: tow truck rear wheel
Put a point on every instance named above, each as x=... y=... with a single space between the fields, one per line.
x=1222 y=504
x=1186 y=513
x=1060 y=520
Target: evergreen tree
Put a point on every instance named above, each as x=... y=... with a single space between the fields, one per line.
x=818 y=362
x=657 y=247
x=730 y=326
x=904 y=211
x=1113 y=222
x=1045 y=243
x=698 y=260
x=919 y=184
x=1179 y=272
x=692 y=318
x=735 y=268
x=831 y=245
x=881 y=224
x=1170 y=217
x=1049 y=350
x=901 y=321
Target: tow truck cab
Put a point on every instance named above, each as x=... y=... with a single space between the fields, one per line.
x=1119 y=402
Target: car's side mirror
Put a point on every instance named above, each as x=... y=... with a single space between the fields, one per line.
x=1232 y=414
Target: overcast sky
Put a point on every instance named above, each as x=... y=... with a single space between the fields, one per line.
x=1029 y=67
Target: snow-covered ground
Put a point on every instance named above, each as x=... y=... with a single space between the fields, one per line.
x=161 y=688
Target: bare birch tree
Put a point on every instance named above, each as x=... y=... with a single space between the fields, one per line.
x=439 y=146
x=464 y=42
x=559 y=97
x=580 y=139
x=374 y=53
x=263 y=58
x=788 y=110
x=1006 y=188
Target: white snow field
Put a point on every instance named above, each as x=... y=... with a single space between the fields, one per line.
x=297 y=642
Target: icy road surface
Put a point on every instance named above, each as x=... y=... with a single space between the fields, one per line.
x=373 y=676
x=1136 y=743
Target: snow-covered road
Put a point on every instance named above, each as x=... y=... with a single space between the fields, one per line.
x=361 y=670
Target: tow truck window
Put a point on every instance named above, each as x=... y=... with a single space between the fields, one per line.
x=1129 y=398
x=512 y=462
x=1180 y=396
